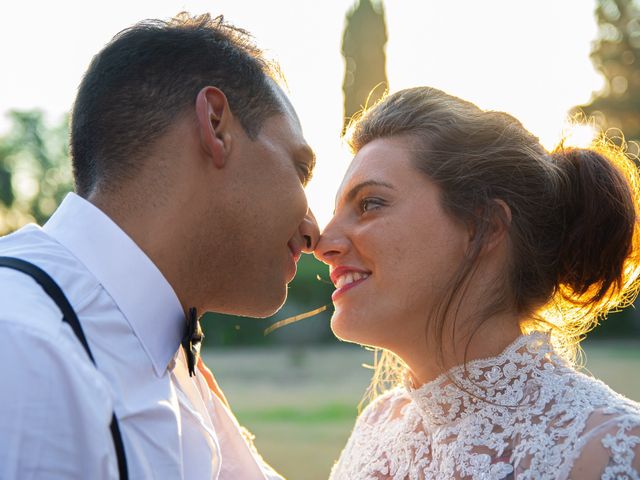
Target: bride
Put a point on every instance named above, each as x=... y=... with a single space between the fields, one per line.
x=477 y=261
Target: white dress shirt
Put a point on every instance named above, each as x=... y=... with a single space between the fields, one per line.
x=55 y=406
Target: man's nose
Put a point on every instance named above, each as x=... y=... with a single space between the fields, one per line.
x=310 y=232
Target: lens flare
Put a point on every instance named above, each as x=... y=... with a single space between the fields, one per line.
x=579 y=135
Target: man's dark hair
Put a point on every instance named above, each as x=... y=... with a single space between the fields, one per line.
x=147 y=76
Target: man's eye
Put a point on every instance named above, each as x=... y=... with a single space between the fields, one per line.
x=370 y=203
x=305 y=174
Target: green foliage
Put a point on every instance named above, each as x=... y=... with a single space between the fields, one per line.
x=35 y=171
x=616 y=54
x=363 y=44
x=306 y=293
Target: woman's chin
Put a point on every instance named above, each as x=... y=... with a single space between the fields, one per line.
x=346 y=328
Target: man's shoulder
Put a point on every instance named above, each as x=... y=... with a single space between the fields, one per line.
x=31 y=324
x=33 y=244
x=26 y=238
x=23 y=302
x=50 y=388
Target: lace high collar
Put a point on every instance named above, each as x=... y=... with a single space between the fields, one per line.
x=506 y=381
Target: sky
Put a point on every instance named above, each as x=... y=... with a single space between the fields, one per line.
x=529 y=58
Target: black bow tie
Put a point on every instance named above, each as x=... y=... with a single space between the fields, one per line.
x=191 y=340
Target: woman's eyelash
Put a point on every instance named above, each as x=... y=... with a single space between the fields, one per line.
x=371 y=203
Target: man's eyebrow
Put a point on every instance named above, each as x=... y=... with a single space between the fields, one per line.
x=368 y=183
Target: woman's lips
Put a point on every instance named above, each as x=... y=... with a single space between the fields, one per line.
x=345 y=278
x=340 y=291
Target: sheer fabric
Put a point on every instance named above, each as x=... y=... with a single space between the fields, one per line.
x=525 y=414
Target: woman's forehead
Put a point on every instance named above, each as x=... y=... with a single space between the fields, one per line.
x=380 y=162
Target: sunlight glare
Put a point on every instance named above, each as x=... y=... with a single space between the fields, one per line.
x=577 y=135
x=492 y=53
x=580 y=136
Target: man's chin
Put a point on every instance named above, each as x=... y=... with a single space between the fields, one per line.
x=260 y=306
x=272 y=308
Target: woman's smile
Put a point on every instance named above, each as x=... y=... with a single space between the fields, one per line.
x=346 y=278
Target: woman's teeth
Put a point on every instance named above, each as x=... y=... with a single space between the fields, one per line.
x=350 y=277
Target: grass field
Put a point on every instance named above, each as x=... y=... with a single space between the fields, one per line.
x=301 y=402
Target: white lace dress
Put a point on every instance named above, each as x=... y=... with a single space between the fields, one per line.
x=544 y=420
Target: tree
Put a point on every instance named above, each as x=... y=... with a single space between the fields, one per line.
x=616 y=54
x=363 y=44
x=35 y=170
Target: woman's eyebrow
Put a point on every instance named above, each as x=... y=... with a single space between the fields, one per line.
x=367 y=183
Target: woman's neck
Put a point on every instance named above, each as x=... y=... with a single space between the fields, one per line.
x=487 y=340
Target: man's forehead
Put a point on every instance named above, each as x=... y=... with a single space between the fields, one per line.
x=287 y=106
x=299 y=146
x=289 y=112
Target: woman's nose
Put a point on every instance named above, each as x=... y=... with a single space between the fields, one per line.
x=331 y=244
x=310 y=232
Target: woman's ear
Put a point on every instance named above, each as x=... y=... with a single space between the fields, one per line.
x=499 y=218
x=214 y=124
x=492 y=224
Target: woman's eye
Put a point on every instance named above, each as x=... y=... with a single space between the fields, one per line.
x=370 y=203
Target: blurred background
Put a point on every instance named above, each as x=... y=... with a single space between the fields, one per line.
x=543 y=61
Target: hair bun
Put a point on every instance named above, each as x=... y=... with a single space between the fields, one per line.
x=599 y=221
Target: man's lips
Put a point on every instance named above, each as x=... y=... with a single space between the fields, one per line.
x=345 y=278
x=296 y=251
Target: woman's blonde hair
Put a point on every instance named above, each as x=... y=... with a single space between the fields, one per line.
x=573 y=236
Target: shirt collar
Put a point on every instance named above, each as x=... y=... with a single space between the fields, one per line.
x=133 y=281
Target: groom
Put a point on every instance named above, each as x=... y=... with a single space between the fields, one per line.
x=189 y=164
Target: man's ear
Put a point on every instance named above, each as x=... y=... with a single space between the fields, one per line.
x=214 y=124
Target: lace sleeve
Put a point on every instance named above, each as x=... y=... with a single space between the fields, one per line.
x=366 y=456
x=610 y=451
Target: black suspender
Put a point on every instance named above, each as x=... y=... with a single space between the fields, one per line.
x=69 y=315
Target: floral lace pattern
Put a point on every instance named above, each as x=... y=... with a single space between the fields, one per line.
x=525 y=414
